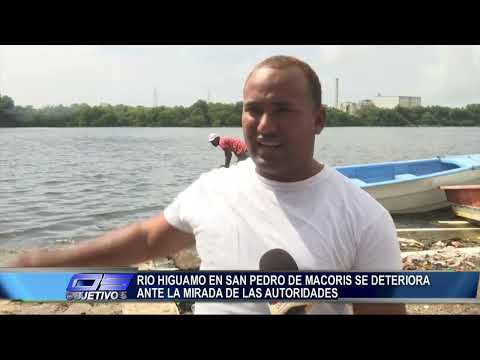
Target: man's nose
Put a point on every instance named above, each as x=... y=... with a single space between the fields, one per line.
x=267 y=124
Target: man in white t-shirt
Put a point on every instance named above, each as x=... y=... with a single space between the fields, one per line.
x=279 y=198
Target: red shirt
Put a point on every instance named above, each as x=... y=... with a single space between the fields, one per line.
x=236 y=146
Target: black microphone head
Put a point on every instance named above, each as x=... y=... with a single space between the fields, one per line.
x=277 y=260
x=280 y=260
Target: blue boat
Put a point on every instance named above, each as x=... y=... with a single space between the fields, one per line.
x=413 y=186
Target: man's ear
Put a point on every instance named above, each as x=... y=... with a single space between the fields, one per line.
x=320 y=119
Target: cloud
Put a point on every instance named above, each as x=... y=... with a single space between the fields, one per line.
x=41 y=75
x=454 y=77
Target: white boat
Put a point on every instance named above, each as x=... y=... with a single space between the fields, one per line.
x=404 y=187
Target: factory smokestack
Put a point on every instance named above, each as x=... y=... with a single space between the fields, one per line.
x=336 y=93
x=155 y=97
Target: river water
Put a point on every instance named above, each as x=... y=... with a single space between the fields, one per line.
x=62 y=185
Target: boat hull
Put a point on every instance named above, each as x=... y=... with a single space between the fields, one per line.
x=465 y=201
x=420 y=195
x=464 y=195
x=469 y=213
x=414 y=186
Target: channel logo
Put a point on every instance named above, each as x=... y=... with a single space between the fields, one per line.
x=98 y=287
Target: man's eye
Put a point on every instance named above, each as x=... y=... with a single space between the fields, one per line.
x=254 y=111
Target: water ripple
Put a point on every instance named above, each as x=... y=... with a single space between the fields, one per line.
x=71 y=184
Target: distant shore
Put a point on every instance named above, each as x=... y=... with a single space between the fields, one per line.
x=208 y=114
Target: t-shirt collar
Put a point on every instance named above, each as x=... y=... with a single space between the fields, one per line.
x=295 y=185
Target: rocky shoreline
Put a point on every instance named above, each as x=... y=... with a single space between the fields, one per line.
x=450 y=250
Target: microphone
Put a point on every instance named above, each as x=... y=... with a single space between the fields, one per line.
x=277 y=260
x=280 y=260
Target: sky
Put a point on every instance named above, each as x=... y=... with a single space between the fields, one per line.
x=128 y=74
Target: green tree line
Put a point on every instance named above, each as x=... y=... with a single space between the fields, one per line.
x=203 y=114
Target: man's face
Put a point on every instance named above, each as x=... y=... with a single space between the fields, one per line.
x=280 y=122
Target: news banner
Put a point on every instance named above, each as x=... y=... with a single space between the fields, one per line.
x=105 y=285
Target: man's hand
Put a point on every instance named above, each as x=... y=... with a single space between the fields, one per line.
x=127 y=246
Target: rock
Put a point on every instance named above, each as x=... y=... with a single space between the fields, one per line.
x=157 y=264
x=133 y=308
x=7 y=307
x=187 y=259
x=37 y=308
x=470 y=264
x=454 y=239
x=407 y=244
x=106 y=309
x=439 y=245
x=146 y=266
x=439 y=257
x=417 y=259
x=453 y=262
x=450 y=258
x=78 y=308
x=456 y=244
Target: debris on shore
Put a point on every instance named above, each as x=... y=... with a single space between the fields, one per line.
x=187 y=259
x=447 y=259
x=447 y=253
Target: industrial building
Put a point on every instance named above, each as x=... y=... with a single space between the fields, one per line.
x=349 y=107
x=390 y=102
x=384 y=102
x=352 y=108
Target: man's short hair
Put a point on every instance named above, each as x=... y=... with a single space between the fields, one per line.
x=284 y=62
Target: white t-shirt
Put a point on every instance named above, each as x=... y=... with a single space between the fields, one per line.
x=325 y=223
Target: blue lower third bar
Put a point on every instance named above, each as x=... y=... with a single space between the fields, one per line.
x=220 y=286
